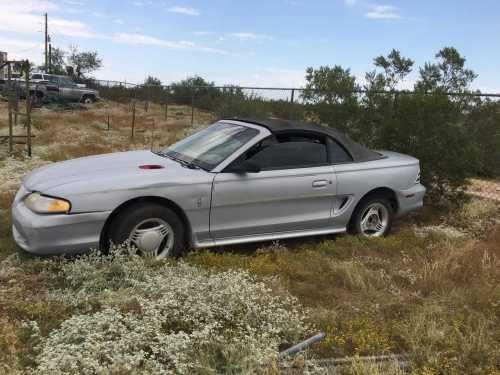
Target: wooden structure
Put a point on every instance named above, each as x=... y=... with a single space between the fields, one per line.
x=13 y=90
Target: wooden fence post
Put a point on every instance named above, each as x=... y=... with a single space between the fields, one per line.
x=166 y=106
x=28 y=109
x=133 y=119
x=9 y=79
x=192 y=106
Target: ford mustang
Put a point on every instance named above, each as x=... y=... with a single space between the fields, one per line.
x=233 y=182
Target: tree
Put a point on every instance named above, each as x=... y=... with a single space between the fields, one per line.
x=203 y=90
x=57 y=65
x=57 y=61
x=395 y=67
x=330 y=96
x=430 y=78
x=448 y=74
x=83 y=63
x=379 y=107
x=152 y=81
x=430 y=126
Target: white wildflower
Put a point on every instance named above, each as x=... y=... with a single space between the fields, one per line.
x=163 y=318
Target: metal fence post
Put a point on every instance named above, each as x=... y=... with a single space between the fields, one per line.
x=291 y=115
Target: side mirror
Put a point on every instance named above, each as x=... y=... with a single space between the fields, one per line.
x=247 y=166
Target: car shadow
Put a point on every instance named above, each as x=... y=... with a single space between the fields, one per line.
x=252 y=247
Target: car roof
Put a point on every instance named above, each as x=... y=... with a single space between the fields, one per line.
x=276 y=126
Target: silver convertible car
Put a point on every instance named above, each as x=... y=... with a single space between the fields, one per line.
x=236 y=181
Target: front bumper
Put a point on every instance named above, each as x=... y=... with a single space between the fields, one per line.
x=56 y=234
x=410 y=199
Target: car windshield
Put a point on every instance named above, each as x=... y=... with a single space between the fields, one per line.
x=209 y=147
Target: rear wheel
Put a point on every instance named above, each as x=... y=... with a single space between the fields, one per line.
x=151 y=228
x=372 y=217
x=88 y=99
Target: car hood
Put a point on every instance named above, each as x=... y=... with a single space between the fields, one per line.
x=101 y=167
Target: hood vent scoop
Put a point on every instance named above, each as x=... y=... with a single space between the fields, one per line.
x=151 y=166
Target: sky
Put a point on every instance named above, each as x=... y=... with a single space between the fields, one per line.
x=258 y=42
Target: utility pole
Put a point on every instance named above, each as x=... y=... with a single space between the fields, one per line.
x=46 y=45
x=50 y=57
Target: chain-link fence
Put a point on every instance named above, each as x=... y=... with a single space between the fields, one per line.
x=455 y=135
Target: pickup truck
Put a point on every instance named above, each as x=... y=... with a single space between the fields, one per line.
x=64 y=87
x=47 y=86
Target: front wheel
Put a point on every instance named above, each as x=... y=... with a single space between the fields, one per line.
x=151 y=228
x=372 y=217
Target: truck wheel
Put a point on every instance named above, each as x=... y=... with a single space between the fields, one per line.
x=36 y=94
x=372 y=217
x=88 y=99
x=151 y=228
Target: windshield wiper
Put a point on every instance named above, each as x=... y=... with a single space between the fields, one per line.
x=184 y=163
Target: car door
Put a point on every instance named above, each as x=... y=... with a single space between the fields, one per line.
x=69 y=89
x=293 y=192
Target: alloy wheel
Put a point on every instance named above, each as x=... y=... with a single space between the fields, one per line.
x=374 y=220
x=154 y=237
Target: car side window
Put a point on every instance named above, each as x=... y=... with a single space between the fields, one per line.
x=289 y=152
x=338 y=154
x=63 y=81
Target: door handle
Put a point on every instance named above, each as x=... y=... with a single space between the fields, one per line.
x=320 y=183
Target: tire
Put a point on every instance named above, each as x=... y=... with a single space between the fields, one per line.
x=36 y=94
x=140 y=223
x=372 y=217
x=88 y=99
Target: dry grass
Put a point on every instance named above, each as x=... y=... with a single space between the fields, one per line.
x=63 y=134
x=431 y=289
x=431 y=295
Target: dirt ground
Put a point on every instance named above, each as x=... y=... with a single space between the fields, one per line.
x=487 y=189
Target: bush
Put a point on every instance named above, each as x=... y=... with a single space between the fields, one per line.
x=483 y=124
x=159 y=317
x=427 y=124
x=431 y=128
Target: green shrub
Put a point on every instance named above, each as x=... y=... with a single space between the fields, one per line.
x=483 y=124
x=431 y=128
x=428 y=124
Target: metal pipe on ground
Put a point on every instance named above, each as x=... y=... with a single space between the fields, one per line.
x=302 y=345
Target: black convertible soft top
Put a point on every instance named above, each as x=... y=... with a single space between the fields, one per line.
x=276 y=126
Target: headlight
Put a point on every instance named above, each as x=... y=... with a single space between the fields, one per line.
x=46 y=205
